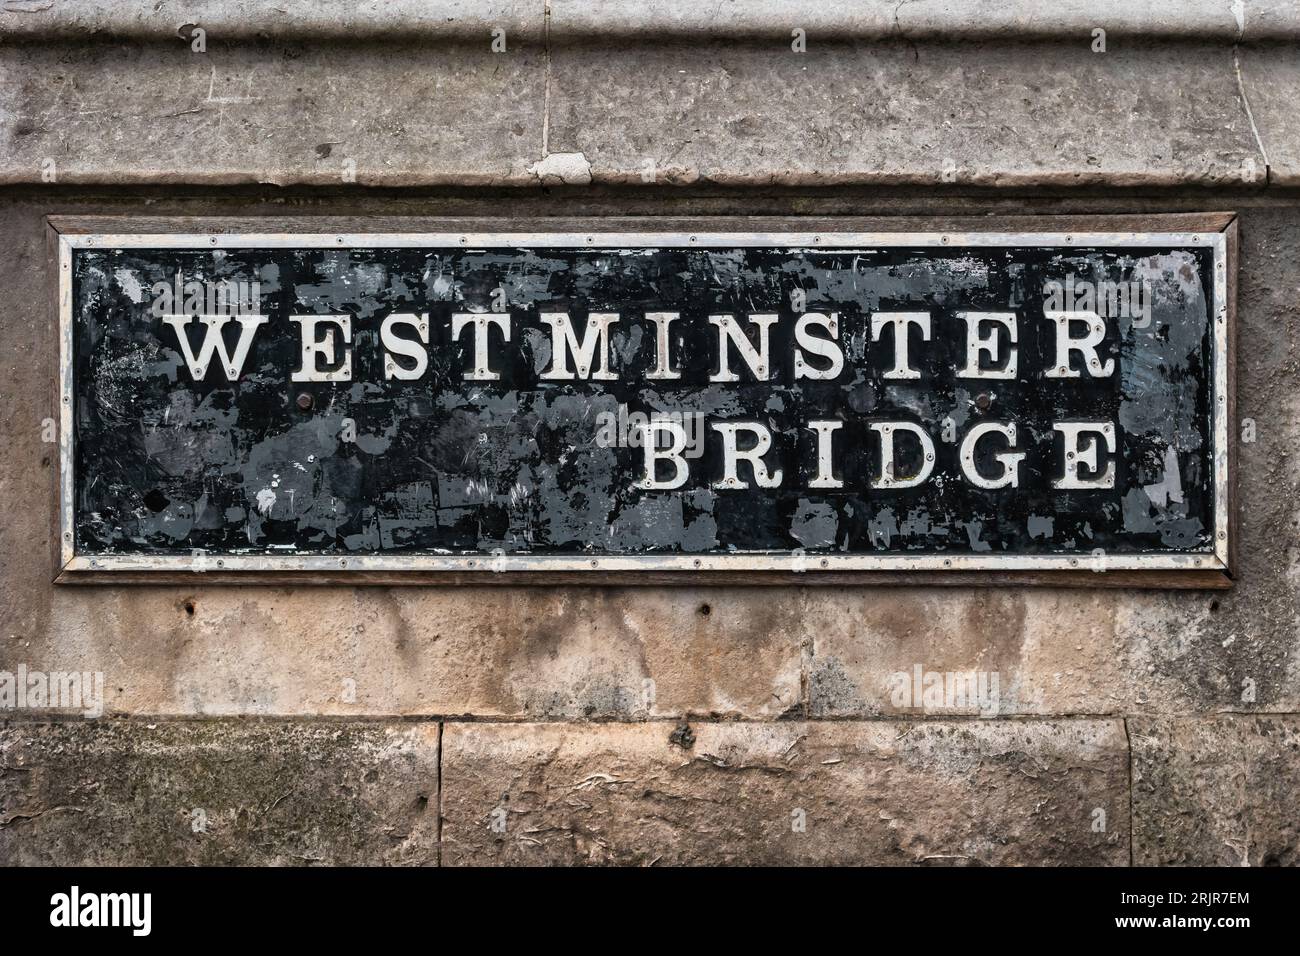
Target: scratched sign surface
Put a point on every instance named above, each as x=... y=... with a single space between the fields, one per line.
x=653 y=401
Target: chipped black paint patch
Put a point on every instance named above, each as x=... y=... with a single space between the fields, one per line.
x=165 y=465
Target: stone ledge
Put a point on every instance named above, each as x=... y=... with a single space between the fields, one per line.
x=932 y=793
x=1000 y=116
x=140 y=114
x=242 y=21
x=454 y=20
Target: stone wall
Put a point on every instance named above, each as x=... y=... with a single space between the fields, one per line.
x=694 y=724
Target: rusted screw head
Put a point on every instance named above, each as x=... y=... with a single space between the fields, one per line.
x=304 y=401
x=983 y=402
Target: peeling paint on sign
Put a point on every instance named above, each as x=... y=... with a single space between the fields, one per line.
x=906 y=399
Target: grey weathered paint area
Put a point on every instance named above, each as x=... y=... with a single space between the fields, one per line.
x=114 y=793
x=167 y=463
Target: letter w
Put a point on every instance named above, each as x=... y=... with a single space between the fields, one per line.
x=214 y=342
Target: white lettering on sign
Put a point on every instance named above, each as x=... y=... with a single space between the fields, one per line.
x=901 y=321
x=729 y=331
x=408 y=348
x=591 y=352
x=1081 y=439
x=214 y=342
x=1009 y=460
x=979 y=345
x=586 y=349
x=732 y=455
x=1085 y=345
x=480 y=369
x=824 y=346
x=317 y=348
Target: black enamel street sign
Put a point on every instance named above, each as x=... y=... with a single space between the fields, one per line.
x=516 y=402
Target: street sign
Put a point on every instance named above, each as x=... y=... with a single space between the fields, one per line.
x=626 y=402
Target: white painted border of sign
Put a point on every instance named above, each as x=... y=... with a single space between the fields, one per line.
x=760 y=561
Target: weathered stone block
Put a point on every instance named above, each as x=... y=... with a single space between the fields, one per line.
x=338 y=114
x=1217 y=791
x=1023 y=652
x=1050 y=652
x=1009 y=115
x=886 y=112
x=587 y=653
x=1270 y=79
x=220 y=792
x=993 y=792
